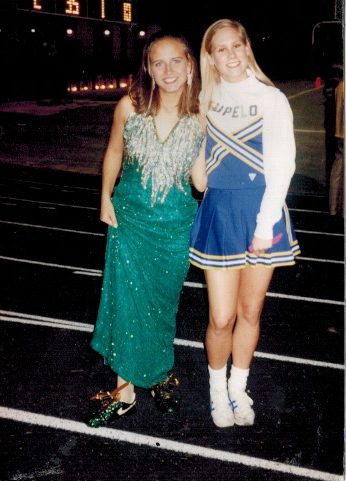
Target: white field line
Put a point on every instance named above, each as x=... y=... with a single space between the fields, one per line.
x=48 y=203
x=98 y=273
x=23 y=318
x=161 y=443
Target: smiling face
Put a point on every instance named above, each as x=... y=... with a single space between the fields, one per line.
x=169 y=65
x=229 y=55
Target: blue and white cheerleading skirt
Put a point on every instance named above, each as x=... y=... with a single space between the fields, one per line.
x=224 y=227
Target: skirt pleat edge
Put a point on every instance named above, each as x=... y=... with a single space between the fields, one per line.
x=245 y=260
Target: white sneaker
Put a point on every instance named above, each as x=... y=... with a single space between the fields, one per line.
x=243 y=413
x=221 y=409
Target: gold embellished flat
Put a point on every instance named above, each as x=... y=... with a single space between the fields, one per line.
x=166 y=400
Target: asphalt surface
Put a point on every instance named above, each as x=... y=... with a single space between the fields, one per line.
x=51 y=259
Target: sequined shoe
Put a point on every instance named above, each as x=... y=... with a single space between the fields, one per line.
x=165 y=399
x=111 y=408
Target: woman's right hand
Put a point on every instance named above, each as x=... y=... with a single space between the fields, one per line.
x=107 y=214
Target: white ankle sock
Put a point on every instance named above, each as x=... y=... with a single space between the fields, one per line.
x=238 y=379
x=217 y=378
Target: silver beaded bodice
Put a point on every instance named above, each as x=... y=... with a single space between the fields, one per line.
x=166 y=163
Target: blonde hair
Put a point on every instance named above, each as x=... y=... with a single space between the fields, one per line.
x=209 y=75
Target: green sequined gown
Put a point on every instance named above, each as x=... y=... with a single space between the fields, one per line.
x=147 y=255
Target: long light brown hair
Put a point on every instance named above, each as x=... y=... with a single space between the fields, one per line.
x=209 y=74
x=146 y=99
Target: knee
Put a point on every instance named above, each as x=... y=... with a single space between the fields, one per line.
x=221 y=322
x=250 y=315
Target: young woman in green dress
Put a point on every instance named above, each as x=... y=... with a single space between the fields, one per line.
x=156 y=139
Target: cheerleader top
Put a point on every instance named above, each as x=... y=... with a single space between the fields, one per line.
x=250 y=143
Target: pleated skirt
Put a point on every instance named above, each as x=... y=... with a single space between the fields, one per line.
x=223 y=230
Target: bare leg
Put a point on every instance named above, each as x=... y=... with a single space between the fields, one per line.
x=127 y=394
x=222 y=293
x=254 y=283
x=253 y=286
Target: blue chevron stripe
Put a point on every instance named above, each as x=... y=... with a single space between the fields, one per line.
x=237 y=146
x=238 y=153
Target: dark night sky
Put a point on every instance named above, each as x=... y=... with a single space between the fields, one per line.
x=256 y=15
x=280 y=30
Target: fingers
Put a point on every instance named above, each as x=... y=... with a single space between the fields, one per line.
x=109 y=219
x=260 y=246
x=258 y=252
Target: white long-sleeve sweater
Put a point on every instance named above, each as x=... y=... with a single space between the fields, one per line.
x=234 y=104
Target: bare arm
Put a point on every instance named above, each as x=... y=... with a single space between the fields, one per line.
x=113 y=159
x=198 y=171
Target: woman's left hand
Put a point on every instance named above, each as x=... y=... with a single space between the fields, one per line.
x=259 y=246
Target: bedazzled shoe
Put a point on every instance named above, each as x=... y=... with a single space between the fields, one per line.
x=244 y=415
x=166 y=400
x=221 y=409
x=111 y=408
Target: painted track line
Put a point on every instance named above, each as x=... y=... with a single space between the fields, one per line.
x=49 y=203
x=198 y=285
x=75 y=206
x=162 y=443
x=303 y=92
x=30 y=319
x=337 y=234
x=310 y=131
x=315 y=259
x=307 y=194
x=51 y=185
x=36 y=226
x=79 y=270
x=99 y=234
x=310 y=211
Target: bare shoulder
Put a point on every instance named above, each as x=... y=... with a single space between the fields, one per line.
x=123 y=109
